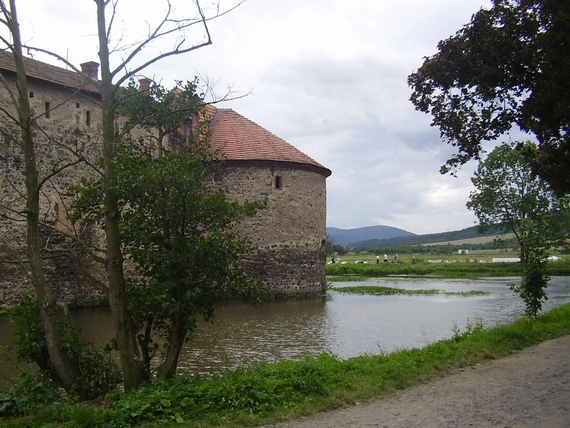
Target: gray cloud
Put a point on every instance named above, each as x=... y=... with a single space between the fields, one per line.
x=329 y=77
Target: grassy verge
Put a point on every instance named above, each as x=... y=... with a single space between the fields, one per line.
x=461 y=268
x=268 y=393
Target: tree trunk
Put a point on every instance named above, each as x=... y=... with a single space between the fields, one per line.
x=145 y=347
x=177 y=335
x=122 y=321
x=66 y=369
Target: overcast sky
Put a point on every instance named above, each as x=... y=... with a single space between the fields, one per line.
x=327 y=76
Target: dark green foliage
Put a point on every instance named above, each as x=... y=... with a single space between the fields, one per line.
x=162 y=111
x=507 y=67
x=328 y=245
x=338 y=249
x=32 y=392
x=509 y=195
x=535 y=278
x=31 y=344
x=508 y=192
x=177 y=225
x=98 y=372
x=181 y=236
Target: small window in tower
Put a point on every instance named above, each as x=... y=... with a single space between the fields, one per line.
x=88 y=118
x=278 y=182
x=76 y=105
x=48 y=110
x=31 y=94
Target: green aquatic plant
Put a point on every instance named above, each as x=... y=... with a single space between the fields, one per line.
x=470 y=328
x=389 y=291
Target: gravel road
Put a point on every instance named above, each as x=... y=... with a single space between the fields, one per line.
x=530 y=388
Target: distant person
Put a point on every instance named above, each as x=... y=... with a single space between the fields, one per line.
x=377 y=259
x=332 y=259
x=338 y=260
x=395 y=258
x=385 y=258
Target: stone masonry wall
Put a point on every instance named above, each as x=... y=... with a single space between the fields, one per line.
x=66 y=128
x=290 y=233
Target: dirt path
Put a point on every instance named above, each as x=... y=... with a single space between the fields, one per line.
x=528 y=389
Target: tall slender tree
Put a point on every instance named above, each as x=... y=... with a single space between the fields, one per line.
x=67 y=368
x=507 y=192
x=112 y=77
x=508 y=196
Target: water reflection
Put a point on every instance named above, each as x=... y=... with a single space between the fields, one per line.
x=346 y=325
x=352 y=325
x=271 y=331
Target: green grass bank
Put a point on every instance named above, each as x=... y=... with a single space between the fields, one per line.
x=271 y=392
x=444 y=266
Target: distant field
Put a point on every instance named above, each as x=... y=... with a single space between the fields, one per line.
x=477 y=240
x=474 y=255
x=478 y=263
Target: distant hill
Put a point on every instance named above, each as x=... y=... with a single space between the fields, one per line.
x=456 y=236
x=347 y=237
x=374 y=236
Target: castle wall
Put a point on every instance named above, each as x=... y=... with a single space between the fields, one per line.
x=66 y=128
x=290 y=232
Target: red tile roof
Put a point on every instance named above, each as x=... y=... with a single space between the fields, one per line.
x=242 y=140
x=47 y=72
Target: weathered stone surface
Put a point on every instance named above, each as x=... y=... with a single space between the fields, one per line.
x=66 y=128
x=289 y=234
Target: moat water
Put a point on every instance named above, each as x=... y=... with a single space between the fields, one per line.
x=346 y=325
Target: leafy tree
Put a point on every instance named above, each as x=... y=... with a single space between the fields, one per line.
x=510 y=197
x=161 y=112
x=176 y=226
x=98 y=372
x=507 y=68
x=120 y=61
x=535 y=279
x=113 y=76
x=181 y=237
x=329 y=245
x=507 y=192
x=338 y=249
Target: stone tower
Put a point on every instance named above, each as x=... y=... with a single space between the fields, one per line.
x=290 y=234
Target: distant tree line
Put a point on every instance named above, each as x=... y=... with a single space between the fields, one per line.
x=372 y=248
x=432 y=249
x=333 y=248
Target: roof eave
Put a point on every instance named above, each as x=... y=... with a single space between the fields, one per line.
x=265 y=163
